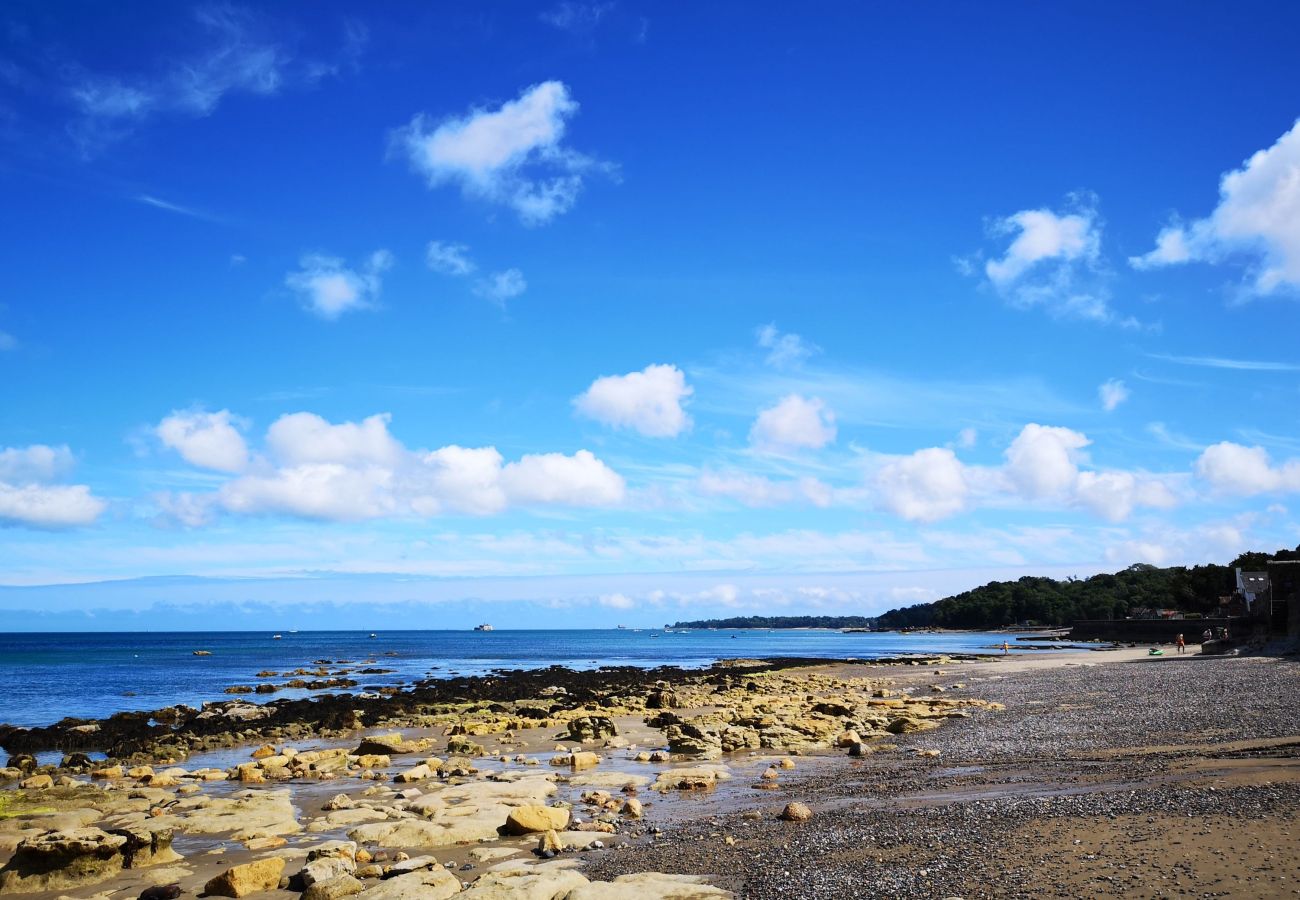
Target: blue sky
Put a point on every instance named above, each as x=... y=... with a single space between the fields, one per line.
x=582 y=313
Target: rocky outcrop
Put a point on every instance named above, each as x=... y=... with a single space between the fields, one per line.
x=63 y=859
x=535 y=819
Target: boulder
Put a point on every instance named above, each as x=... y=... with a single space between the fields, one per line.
x=796 y=812
x=533 y=819
x=427 y=884
x=650 y=886
x=591 y=728
x=335 y=888
x=250 y=878
x=546 y=883
x=36 y=783
x=63 y=859
x=147 y=844
x=325 y=869
x=632 y=808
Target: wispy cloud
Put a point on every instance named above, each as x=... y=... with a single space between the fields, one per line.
x=1220 y=362
x=167 y=206
x=575 y=16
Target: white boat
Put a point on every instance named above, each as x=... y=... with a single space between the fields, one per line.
x=277 y=637
x=483 y=627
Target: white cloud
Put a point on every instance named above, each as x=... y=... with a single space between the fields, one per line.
x=513 y=155
x=209 y=440
x=617 y=601
x=449 y=259
x=1053 y=262
x=967 y=438
x=553 y=478
x=649 y=401
x=307 y=438
x=353 y=471
x=1041 y=236
x=1114 y=495
x=27 y=496
x=785 y=350
x=926 y=486
x=796 y=422
x=1258 y=217
x=1112 y=394
x=758 y=491
x=1043 y=461
x=7 y=341
x=186 y=509
x=1245 y=471
x=501 y=286
x=328 y=288
x=37 y=463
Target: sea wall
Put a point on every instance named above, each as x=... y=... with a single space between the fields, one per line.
x=1144 y=631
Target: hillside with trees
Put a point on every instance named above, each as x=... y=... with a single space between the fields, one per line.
x=781 y=622
x=1046 y=601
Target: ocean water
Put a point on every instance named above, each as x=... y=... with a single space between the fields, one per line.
x=46 y=677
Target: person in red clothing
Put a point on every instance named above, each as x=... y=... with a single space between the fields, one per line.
x=1180 y=642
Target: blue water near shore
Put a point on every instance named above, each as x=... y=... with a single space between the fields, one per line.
x=46 y=677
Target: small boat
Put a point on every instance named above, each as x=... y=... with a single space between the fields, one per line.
x=372 y=634
x=483 y=627
x=202 y=652
x=277 y=637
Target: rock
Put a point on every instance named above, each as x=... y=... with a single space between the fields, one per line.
x=161 y=892
x=336 y=850
x=650 y=886
x=525 y=884
x=533 y=819
x=324 y=869
x=36 y=783
x=427 y=884
x=62 y=859
x=147 y=845
x=910 y=725
x=139 y=772
x=860 y=749
x=24 y=762
x=591 y=728
x=407 y=866
x=275 y=842
x=692 y=779
x=848 y=739
x=795 y=812
x=383 y=745
x=339 y=801
x=418 y=773
x=341 y=886
x=108 y=773
x=463 y=746
x=374 y=761
x=549 y=844
x=250 y=878
x=264 y=751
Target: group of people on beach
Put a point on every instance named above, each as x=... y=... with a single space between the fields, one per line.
x=1207 y=635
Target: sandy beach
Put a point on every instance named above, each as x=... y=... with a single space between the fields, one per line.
x=1039 y=774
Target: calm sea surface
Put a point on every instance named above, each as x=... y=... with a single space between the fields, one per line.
x=45 y=677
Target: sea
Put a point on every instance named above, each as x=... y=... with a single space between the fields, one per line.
x=47 y=677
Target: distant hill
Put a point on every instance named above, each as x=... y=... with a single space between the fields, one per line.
x=780 y=622
x=1046 y=601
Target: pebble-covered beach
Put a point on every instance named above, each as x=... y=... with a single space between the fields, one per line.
x=1085 y=774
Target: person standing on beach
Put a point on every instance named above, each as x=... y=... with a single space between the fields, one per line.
x=1180 y=642
x=1006 y=648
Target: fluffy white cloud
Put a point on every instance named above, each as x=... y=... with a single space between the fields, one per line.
x=209 y=440
x=449 y=259
x=27 y=496
x=513 y=155
x=1042 y=235
x=926 y=486
x=553 y=478
x=796 y=422
x=501 y=286
x=307 y=438
x=1258 y=216
x=328 y=288
x=1244 y=471
x=758 y=491
x=649 y=401
x=784 y=350
x=1114 y=495
x=352 y=471
x=1053 y=262
x=1112 y=393
x=1043 y=461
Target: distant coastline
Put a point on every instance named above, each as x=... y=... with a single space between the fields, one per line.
x=780 y=622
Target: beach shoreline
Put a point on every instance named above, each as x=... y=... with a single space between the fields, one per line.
x=939 y=737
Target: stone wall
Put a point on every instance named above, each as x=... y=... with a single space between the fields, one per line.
x=1144 y=631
